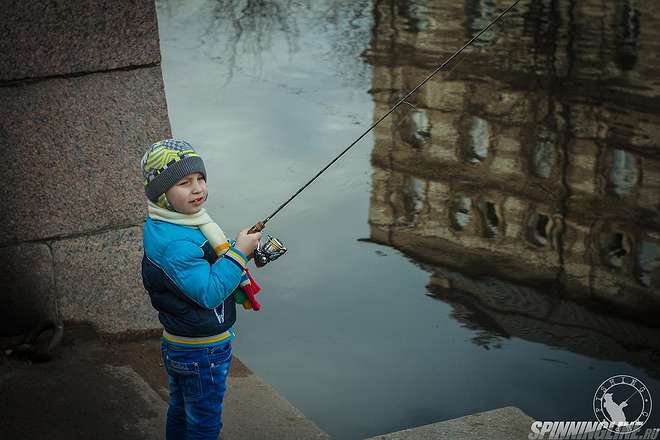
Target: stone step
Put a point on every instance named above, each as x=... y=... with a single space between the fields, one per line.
x=508 y=423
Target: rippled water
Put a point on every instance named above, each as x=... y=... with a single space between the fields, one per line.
x=448 y=263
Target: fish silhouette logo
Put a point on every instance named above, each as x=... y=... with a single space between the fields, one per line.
x=622 y=402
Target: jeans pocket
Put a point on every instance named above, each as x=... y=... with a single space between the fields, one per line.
x=188 y=377
x=219 y=373
x=220 y=354
x=220 y=361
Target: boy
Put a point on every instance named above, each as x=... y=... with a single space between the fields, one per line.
x=190 y=271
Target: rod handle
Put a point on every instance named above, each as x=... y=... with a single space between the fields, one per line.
x=257 y=228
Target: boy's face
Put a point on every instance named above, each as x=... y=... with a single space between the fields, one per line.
x=188 y=195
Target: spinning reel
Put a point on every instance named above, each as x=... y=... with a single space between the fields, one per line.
x=268 y=251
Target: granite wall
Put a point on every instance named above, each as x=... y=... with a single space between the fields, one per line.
x=82 y=94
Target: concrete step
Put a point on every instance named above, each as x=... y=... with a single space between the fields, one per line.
x=253 y=410
x=508 y=423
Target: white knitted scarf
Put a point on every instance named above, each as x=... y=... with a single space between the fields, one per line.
x=201 y=220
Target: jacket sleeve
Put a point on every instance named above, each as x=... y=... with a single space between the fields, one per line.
x=208 y=285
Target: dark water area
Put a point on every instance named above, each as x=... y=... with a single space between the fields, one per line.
x=494 y=242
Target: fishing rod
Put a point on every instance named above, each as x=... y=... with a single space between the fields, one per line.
x=273 y=248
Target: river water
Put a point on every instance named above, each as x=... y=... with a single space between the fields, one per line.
x=494 y=242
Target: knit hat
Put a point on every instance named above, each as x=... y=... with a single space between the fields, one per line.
x=165 y=163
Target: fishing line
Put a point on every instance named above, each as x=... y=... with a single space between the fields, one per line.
x=262 y=224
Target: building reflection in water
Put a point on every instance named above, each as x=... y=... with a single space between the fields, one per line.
x=535 y=159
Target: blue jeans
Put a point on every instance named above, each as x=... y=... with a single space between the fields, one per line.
x=198 y=380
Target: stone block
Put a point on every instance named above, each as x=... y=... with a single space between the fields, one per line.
x=438 y=192
x=99 y=280
x=514 y=211
x=72 y=149
x=649 y=191
x=444 y=95
x=444 y=152
x=384 y=81
x=505 y=102
x=445 y=128
x=66 y=37
x=507 y=166
x=27 y=286
x=589 y=122
x=638 y=129
x=508 y=141
x=380 y=211
x=582 y=167
x=385 y=128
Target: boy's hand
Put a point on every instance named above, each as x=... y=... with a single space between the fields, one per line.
x=247 y=243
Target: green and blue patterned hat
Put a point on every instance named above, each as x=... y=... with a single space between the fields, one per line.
x=165 y=163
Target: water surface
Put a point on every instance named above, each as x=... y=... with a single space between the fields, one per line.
x=430 y=271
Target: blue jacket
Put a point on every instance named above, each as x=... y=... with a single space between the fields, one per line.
x=188 y=284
